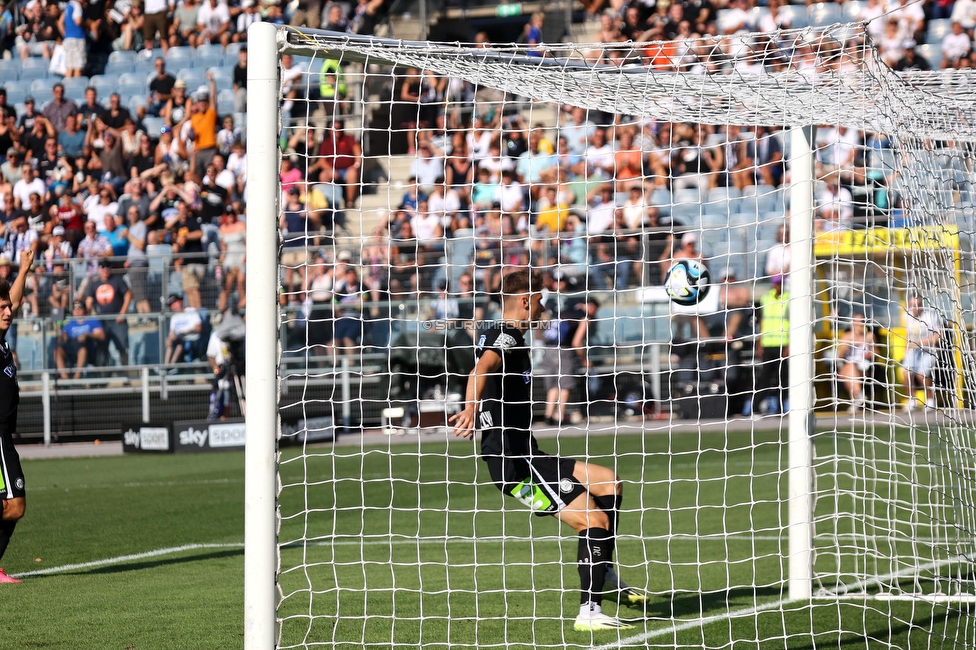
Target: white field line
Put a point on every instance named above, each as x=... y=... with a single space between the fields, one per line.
x=676 y=627
x=81 y=566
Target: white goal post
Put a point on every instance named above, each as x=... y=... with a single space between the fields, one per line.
x=886 y=499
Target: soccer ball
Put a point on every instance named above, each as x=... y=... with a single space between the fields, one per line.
x=687 y=282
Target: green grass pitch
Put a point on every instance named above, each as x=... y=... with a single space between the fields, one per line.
x=703 y=531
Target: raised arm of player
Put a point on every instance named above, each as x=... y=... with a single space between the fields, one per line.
x=17 y=288
x=464 y=421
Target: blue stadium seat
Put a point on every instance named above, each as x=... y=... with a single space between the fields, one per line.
x=105 y=84
x=686 y=214
x=209 y=61
x=21 y=109
x=76 y=94
x=153 y=126
x=851 y=10
x=35 y=63
x=796 y=15
x=34 y=73
x=194 y=78
x=230 y=53
x=931 y=52
x=105 y=102
x=132 y=90
x=133 y=102
x=10 y=69
x=210 y=49
x=41 y=88
x=937 y=30
x=225 y=102
x=119 y=67
x=179 y=56
x=23 y=85
x=128 y=56
x=133 y=78
x=144 y=68
x=223 y=80
x=16 y=96
x=823 y=13
x=75 y=82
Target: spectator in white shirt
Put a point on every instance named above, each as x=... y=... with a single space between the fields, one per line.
x=778 y=257
x=955 y=47
x=838 y=148
x=427 y=168
x=27 y=185
x=601 y=210
x=964 y=13
x=213 y=18
x=509 y=193
x=835 y=208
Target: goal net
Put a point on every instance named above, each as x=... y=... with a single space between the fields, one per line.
x=796 y=450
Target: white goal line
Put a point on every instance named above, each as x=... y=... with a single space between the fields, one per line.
x=121 y=559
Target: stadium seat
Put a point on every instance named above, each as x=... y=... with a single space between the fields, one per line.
x=21 y=110
x=119 y=67
x=41 y=88
x=133 y=78
x=690 y=195
x=796 y=15
x=230 y=53
x=105 y=102
x=223 y=80
x=144 y=68
x=851 y=10
x=153 y=126
x=687 y=214
x=76 y=94
x=931 y=52
x=16 y=96
x=194 y=78
x=823 y=13
x=104 y=84
x=75 y=82
x=131 y=90
x=209 y=61
x=123 y=55
x=10 y=69
x=225 y=102
x=23 y=85
x=34 y=73
x=937 y=30
x=179 y=56
x=133 y=102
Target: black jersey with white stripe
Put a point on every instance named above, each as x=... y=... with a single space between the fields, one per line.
x=505 y=412
x=9 y=390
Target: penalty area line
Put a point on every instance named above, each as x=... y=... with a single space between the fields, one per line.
x=123 y=558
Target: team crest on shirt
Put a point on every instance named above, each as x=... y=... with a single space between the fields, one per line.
x=19 y=483
x=10 y=371
x=565 y=486
x=505 y=341
x=481 y=341
x=527 y=376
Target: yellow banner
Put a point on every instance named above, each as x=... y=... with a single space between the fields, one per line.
x=884 y=240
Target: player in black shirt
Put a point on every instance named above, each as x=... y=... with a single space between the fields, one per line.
x=11 y=475
x=584 y=496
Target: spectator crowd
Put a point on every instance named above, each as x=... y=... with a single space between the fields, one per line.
x=123 y=133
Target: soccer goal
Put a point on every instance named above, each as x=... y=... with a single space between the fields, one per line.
x=797 y=450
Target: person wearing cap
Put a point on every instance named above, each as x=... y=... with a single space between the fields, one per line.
x=109 y=295
x=178 y=105
x=911 y=59
x=773 y=348
x=185 y=326
x=26 y=121
x=202 y=117
x=58 y=251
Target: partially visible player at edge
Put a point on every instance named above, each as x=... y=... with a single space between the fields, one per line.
x=11 y=475
x=584 y=496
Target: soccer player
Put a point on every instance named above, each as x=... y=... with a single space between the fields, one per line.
x=11 y=475
x=584 y=496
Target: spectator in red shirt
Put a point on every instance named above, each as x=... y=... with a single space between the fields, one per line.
x=340 y=161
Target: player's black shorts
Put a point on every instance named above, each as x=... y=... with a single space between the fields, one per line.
x=11 y=474
x=544 y=483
